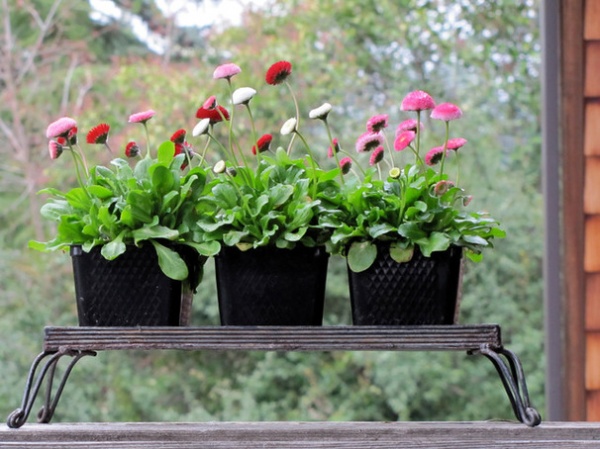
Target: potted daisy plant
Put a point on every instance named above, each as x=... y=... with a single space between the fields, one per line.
x=404 y=224
x=128 y=227
x=262 y=210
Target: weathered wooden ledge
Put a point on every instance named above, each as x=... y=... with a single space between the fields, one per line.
x=305 y=435
x=284 y=338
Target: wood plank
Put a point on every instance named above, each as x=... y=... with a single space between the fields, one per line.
x=275 y=338
x=591 y=198
x=593 y=403
x=592 y=128
x=592 y=302
x=592 y=20
x=592 y=69
x=592 y=368
x=572 y=126
x=592 y=245
x=305 y=435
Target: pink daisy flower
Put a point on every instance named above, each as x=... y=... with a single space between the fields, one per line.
x=141 y=117
x=345 y=165
x=376 y=156
x=263 y=144
x=368 y=141
x=334 y=148
x=55 y=149
x=278 y=72
x=226 y=71
x=467 y=200
x=132 y=149
x=210 y=103
x=178 y=136
x=455 y=143
x=98 y=134
x=446 y=112
x=404 y=139
x=215 y=115
x=377 y=123
x=434 y=155
x=60 y=127
x=408 y=125
x=442 y=187
x=417 y=101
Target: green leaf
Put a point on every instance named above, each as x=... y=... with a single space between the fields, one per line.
x=166 y=152
x=206 y=248
x=100 y=192
x=170 y=262
x=279 y=194
x=437 y=241
x=401 y=254
x=78 y=198
x=154 y=232
x=361 y=256
x=226 y=195
x=114 y=249
x=162 y=180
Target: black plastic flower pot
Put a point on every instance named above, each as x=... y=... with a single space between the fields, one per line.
x=425 y=290
x=130 y=290
x=269 y=286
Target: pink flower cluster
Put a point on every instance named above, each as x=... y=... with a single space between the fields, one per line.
x=407 y=133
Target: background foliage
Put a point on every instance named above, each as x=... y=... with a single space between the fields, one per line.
x=63 y=58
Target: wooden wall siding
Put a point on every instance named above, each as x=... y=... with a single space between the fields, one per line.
x=591 y=24
x=592 y=128
x=592 y=302
x=592 y=206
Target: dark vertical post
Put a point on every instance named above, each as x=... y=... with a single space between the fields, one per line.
x=550 y=32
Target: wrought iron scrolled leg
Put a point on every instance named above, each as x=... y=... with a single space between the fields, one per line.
x=513 y=379
x=47 y=411
x=19 y=416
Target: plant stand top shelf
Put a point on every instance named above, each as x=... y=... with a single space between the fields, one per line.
x=275 y=338
x=77 y=342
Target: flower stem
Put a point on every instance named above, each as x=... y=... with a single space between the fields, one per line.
x=333 y=150
x=312 y=161
x=444 y=150
x=254 y=137
x=147 y=140
x=289 y=149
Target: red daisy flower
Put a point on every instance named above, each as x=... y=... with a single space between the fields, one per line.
x=278 y=72
x=178 y=136
x=262 y=144
x=345 y=165
x=98 y=134
x=132 y=149
x=72 y=135
x=377 y=123
x=55 y=149
x=404 y=139
x=215 y=115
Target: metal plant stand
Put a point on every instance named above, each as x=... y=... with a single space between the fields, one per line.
x=77 y=342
